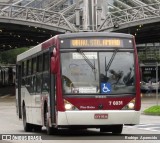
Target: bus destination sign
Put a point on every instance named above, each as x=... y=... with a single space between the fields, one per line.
x=96 y=43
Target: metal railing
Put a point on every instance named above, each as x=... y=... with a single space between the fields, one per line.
x=130 y=15
x=62 y=18
x=51 y=18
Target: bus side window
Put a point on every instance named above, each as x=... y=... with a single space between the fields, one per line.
x=34 y=63
x=45 y=82
x=46 y=62
x=34 y=84
x=40 y=63
x=31 y=84
x=28 y=71
x=39 y=83
x=28 y=84
x=24 y=68
x=23 y=82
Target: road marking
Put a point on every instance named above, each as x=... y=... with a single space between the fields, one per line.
x=144 y=125
x=155 y=129
x=5 y=96
x=147 y=127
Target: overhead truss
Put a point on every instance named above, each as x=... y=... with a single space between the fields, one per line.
x=79 y=15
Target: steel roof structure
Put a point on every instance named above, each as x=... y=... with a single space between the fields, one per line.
x=25 y=23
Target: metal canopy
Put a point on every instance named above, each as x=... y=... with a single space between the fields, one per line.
x=16 y=36
x=29 y=22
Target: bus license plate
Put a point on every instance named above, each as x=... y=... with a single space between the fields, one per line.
x=100 y=116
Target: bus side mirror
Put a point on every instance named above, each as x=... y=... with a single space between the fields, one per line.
x=54 y=67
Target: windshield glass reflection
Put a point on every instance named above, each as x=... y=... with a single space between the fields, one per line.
x=78 y=75
x=98 y=72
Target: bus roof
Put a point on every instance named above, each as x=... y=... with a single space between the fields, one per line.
x=31 y=51
x=94 y=34
x=51 y=41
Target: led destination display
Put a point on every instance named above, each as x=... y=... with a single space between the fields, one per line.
x=96 y=43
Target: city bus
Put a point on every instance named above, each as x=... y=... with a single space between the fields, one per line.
x=79 y=81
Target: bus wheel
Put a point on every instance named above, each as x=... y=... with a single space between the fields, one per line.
x=50 y=130
x=37 y=128
x=117 y=129
x=27 y=126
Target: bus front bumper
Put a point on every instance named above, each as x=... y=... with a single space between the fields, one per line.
x=109 y=117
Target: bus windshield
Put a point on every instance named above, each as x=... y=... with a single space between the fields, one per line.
x=110 y=72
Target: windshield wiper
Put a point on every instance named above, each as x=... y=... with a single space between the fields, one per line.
x=89 y=62
x=107 y=66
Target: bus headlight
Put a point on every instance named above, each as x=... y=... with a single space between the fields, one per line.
x=69 y=106
x=130 y=105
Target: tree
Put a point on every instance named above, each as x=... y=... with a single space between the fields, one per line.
x=10 y=56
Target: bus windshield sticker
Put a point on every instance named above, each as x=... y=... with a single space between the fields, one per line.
x=84 y=90
x=89 y=55
x=106 y=88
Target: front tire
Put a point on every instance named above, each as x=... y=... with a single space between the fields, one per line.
x=37 y=128
x=50 y=130
x=27 y=127
x=117 y=129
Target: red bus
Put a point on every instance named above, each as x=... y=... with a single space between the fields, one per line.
x=79 y=80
